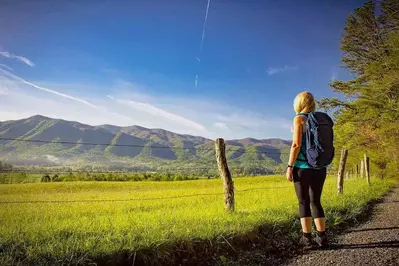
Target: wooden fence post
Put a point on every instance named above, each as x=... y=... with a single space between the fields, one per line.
x=361 y=168
x=357 y=171
x=228 y=184
x=367 y=168
x=341 y=170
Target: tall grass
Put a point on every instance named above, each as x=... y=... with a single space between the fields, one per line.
x=41 y=231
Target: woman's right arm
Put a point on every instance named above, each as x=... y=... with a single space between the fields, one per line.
x=296 y=145
x=296 y=139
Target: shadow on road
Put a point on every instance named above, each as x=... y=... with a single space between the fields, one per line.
x=390 y=202
x=374 y=229
x=383 y=244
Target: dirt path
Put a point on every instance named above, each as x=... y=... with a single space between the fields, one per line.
x=375 y=242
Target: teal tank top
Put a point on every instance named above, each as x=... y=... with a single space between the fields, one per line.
x=300 y=161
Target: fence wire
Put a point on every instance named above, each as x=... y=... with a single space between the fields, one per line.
x=131 y=200
x=238 y=150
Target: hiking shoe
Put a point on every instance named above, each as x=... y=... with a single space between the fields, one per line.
x=306 y=241
x=321 y=240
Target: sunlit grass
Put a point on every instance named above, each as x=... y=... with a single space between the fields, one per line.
x=40 y=230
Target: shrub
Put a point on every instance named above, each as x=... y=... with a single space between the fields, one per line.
x=46 y=178
x=179 y=177
x=56 y=178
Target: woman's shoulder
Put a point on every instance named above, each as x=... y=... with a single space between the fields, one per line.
x=300 y=118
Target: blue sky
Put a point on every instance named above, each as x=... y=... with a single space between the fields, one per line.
x=136 y=62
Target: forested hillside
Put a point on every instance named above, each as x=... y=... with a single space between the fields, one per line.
x=43 y=141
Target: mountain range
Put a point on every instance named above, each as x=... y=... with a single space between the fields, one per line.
x=47 y=142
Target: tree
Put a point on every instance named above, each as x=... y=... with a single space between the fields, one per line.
x=5 y=166
x=367 y=120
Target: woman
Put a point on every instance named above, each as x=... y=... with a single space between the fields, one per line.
x=308 y=181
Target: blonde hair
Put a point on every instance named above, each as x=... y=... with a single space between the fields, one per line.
x=304 y=103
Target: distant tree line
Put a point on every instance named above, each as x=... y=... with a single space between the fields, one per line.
x=5 y=166
x=120 y=177
x=87 y=173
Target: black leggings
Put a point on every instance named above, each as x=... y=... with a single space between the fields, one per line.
x=308 y=187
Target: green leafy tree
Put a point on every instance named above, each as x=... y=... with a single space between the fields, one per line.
x=367 y=119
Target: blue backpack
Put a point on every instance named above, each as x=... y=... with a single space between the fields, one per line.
x=319 y=139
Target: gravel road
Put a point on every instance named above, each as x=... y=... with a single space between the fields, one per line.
x=375 y=242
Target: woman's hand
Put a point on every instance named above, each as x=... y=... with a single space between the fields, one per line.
x=289 y=174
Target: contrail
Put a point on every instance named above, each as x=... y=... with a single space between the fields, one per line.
x=15 y=77
x=6 y=67
x=202 y=38
x=17 y=57
x=204 y=26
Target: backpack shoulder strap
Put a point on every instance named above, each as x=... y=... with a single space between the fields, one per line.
x=306 y=119
x=302 y=114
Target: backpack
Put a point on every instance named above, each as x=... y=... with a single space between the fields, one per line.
x=319 y=132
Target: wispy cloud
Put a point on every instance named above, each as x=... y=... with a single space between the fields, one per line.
x=22 y=103
x=155 y=111
x=18 y=101
x=15 y=77
x=219 y=119
x=254 y=124
x=17 y=57
x=276 y=70
x=6 y=67
x=4 y=90
x=126 y=104
x=221 y=126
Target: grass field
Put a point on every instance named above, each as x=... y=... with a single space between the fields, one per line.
x=156 y=213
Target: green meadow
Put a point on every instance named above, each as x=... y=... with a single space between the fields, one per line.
x=75 y=221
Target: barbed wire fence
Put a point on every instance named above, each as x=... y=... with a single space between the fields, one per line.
x=139 y=199
x=235 y=151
